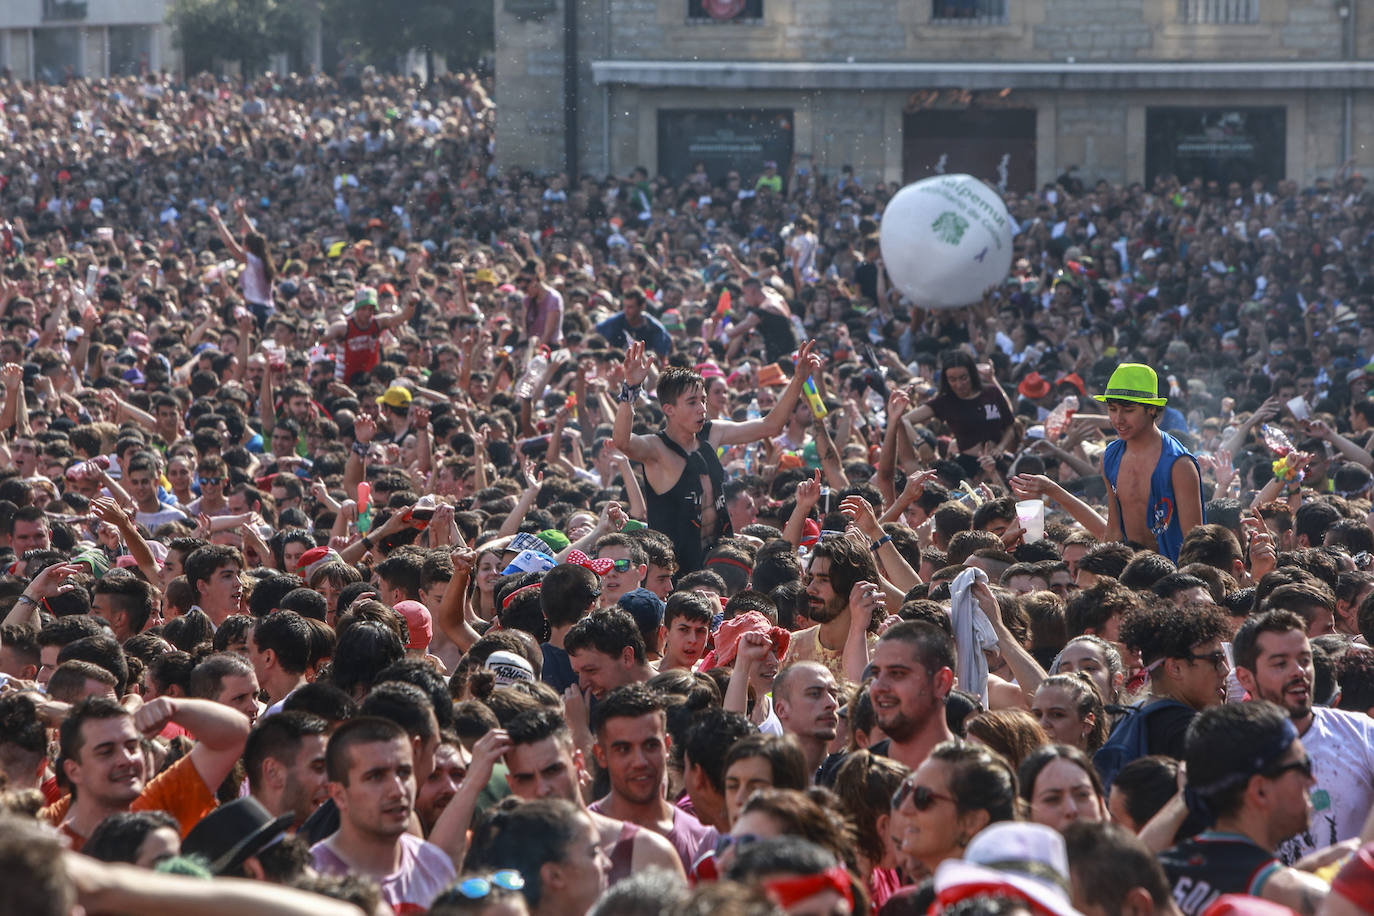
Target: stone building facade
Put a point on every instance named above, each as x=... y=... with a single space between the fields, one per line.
x=1015 y=91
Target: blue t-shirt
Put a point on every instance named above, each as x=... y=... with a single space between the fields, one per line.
x=618 y=333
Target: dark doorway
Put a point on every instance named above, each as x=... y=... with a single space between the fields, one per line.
x=996 y=145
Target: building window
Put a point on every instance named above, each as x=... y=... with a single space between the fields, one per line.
x=63 y=10
x=56 y=54
x=724 y=10
x=1218 y=12
x=969 y=12
x=131 y=49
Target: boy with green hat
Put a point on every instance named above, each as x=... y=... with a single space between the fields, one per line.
x=1155 y=493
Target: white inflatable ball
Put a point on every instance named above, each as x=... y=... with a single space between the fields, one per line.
x=945 y=240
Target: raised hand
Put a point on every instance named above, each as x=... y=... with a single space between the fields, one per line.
x=860 y=511
x=809 y=492
x=637 y=364
x=364 y=429
x=1030 y=486
x=897 y=403
x=753 y=649
x=808 y=360
x=866 y=600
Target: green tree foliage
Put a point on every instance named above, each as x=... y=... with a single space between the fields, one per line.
x=246 y=31
x=383 y=30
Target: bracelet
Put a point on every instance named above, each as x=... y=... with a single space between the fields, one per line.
x=628 y=392
x=885 y=539
x=360 y=449
x=367 y=542
x=27 y=599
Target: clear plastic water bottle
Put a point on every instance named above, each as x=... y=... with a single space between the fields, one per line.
x=753 y=411
x=1276 y=439
x=524 y=388
x=1058 y=420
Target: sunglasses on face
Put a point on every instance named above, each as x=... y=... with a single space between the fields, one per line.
x=1302 y=765
x=1217 y=658
x=479 y=888
x=211 y=481
x=922 y=797
x=621 y=566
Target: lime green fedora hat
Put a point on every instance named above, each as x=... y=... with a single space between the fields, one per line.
x=1133 y=382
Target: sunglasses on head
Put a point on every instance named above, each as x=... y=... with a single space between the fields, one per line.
x=480 y=888
x=922 y=797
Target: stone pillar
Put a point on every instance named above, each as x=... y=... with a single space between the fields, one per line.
x=529 y=84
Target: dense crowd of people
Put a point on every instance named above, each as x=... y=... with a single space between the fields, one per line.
x=385 y=531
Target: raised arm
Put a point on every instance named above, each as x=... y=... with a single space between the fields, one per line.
x=231 y=243
x=725 y=432
x=220 y=732
x=638 y=448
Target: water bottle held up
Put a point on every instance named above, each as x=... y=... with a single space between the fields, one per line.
x=1057 y=423
x=1276 y=440
x=524 y=388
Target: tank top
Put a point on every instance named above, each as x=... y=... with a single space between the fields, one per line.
x=360 y=349
x=1161 y=514
x=677 y=513
x=779 y=338
x=623 y=852
x=1211 y=864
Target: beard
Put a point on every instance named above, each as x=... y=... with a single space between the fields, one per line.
x=828 y=611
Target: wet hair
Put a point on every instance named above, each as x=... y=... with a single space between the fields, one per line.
x=628 y=702
x=709 y=740
x=813 y=815
x=118 y=837
x=1110 y=654
x=675 y=381
x=1147 y=784
x=865 y=783
x=1222 y=743
x=1086 y=702
x=525 y=836
x=1108 y=861
x=979 y=779
x=785 y=758
x=608 y=631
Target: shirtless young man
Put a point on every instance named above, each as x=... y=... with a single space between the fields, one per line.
x=685 y=477
x=1156 y=495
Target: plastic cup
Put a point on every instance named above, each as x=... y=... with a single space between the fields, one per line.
x=1031 y=514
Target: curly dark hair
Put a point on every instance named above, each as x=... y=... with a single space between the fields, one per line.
x=1161 y=630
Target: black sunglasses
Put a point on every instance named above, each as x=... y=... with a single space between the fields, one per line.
x=1302 y=765
x=922 y=797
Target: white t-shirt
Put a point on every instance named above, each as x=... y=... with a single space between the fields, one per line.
x=1341 y=745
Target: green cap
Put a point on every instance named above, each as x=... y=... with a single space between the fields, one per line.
x=1133 y=382
x=554 y=538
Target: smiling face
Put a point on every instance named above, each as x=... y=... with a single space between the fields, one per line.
x=601 y=673
x=905 y=696
x=1283 y=673
x=1129 y=419
x=109 y=768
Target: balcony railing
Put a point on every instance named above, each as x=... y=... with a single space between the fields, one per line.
x=968 y=12
x=1218 y=12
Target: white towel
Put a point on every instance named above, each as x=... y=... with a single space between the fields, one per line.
x=973 y=633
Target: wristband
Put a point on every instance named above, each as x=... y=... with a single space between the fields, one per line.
x=367 y=542
x=885 y=539
x=360 y=449
x=628 y=392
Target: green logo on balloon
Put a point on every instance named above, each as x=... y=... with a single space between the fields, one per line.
x=949 y=227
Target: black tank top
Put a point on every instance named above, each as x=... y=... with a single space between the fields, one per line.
x=1211 y=864
x=779 y=337
x=677 y=513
